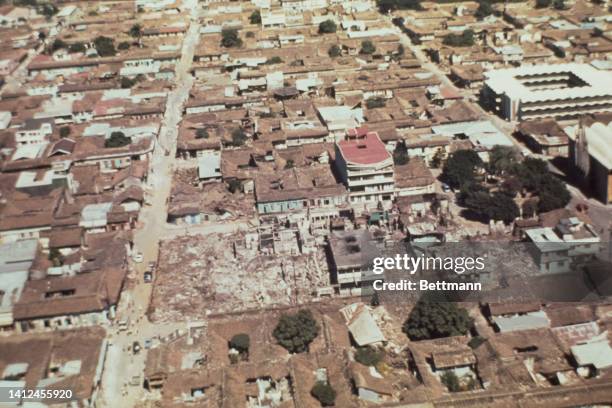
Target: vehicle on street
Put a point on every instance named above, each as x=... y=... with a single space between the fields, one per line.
x=148 y=277
x=138 y=257
x=136 y=347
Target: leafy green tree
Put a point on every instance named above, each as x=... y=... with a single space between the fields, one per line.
x=503 y=158
x=64 y=131
x=465 y=39
x=136 y=31
x=553 y=194
x=48 y=10
x=124 y=45
x=238 y=137
x=476 y=342
x=432 y=320
x=230 y=38
x=327 y=27
x=127 y=83
x=77 y=47
x=255 y=17
x=543 y=3
x=117 y=139
x=324 y=393
x=274 y=60
x=369 y=356
x=375 y=102
x=559 y=4
x=367 y=47
x=295 y=332
x=334 y=51
x=484 y=9
x=400 y=155
x=437 y=158
x=58 y=44
x=375 y=300
x=460 y=168
x=529 y=208
x=202 y=134
x=105 y=46
x=56 y=257
x=451 y=381
x=240 y=342
x=290 y=164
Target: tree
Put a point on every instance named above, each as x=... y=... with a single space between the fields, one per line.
x=58 y=44
x=400 y=155
x=255 y=17
x=274 y=60
x=334 y=51
x=127 y=83
x=324 y=393
x=105 y=46
x=461 y=167
x=124 y=45
x=389 y=5
x=543 y=3
x=484 y=9
x=56 y=257
x=202 y=134
x=290 y=164
x=375 y=102
x=451 y=381
x=295 y=332
x=64 y=131
x=117 y=139
x=437 y=158
x=503 y=158
x=465 y=39
x=497 y=206
x=529 y=208
x=327 y=27
x=369 y=356
x=77 y=47
x=476 y=342
x=230 y=38
x=48 y=10
x=400 y=51
x=375 y=300
x=136 y=31
x=238 y=137
x=553 y=194
x=241 y=343
x=432 y=320
x=559 y=4
x=367 y=47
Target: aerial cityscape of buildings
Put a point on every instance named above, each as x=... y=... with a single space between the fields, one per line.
x=193 y=193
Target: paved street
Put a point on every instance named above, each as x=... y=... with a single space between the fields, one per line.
x=122 y=366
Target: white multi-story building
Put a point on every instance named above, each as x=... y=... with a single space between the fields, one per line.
x=366 y=168
x=560 y=91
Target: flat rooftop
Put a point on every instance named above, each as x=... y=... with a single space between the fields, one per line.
x=516 y=82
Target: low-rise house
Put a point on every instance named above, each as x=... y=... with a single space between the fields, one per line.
x=71 y=360
x=545 y=137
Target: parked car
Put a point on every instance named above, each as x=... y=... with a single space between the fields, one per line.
x=136 y=347
x=138 y=257
x=148 y=277
x=148 y=343
x=446 y=188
